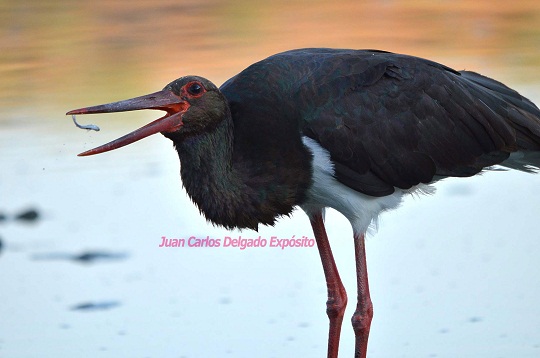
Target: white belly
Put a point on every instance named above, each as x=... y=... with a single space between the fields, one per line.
x=361 y=210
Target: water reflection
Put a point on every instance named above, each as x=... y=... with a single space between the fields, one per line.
x=57 y=53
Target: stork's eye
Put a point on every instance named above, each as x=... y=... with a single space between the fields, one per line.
x=195 y=88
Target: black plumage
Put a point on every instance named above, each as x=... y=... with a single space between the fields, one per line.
x=251 y=150
x=388 y=120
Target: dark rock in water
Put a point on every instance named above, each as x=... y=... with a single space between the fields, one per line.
x=475 y=319
x=3 y=217
x=92 y=256
x=1 y=245
x=95 y=306
x=28 y=215
x=85 y=257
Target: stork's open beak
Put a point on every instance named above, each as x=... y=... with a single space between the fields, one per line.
x=164 y=100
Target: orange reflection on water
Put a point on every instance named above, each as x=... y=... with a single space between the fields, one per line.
x=63 y=53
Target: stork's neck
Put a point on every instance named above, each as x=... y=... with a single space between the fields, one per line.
x=230 y=189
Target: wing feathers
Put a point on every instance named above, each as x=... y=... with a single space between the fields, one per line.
x=403 y=121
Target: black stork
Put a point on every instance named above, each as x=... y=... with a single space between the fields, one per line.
x=353 y=130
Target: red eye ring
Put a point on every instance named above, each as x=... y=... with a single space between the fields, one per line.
x=195 y=88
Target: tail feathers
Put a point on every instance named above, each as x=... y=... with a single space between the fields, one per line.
x=519 y=112
x=525 y=161
x=527 y=127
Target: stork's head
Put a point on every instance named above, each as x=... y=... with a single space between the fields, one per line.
x=193 y=105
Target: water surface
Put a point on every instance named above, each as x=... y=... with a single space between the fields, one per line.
x=452 y=275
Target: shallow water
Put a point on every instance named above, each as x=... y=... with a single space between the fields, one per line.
x=452 y=275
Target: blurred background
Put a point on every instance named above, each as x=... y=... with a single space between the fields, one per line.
x=81 y=273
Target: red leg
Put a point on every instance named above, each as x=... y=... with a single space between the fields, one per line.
x=337 y=297
x=361 y=319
